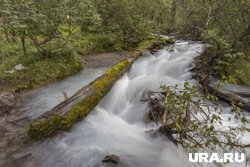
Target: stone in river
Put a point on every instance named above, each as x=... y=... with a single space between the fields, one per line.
x=111 y=159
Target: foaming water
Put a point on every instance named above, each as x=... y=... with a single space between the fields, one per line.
x=44 y=99
x=116 y=124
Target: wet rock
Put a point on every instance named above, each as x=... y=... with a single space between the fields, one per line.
x=153 y=51
x=20 y=67
x=171 y=50
x=7 y=101
x=20 y=158
x=111 y=159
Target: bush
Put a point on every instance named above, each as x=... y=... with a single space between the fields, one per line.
x=95 y=42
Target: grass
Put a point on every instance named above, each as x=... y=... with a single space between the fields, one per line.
x=40 y=70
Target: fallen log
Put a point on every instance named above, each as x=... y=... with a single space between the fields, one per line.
x=230 y=93
x=229 y=96
x=76 y=107
x=242 y=91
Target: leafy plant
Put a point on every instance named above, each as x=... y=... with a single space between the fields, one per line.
x=187 y=119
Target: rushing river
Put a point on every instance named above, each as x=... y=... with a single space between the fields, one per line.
x=116 y=125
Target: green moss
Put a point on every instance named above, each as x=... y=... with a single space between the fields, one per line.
x=168 y=41
x=44 y=127
x=101 y=88
x=149 y=44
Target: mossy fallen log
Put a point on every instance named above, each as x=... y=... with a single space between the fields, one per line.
x=64 y=119
x=66 y=114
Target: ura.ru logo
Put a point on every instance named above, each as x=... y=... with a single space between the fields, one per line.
x=214 y=157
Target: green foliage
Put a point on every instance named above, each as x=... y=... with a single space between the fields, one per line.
x=95 y=42
x=223 y=25
x=132 y=20
x=224 y=65
x=239 y=69
x=45 y=30
x=91 y=26
x=226 y=19
x=9 y=49
x=40 y=21
x=194 y=124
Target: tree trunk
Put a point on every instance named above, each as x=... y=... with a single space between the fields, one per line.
x=173 y=11
x=230 y=97
x=23 y=39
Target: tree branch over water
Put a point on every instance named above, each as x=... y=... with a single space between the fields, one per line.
x=186 y=118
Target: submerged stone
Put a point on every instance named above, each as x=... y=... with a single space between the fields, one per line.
x=111 y=159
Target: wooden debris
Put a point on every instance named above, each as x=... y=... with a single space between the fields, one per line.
x=65 y=95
